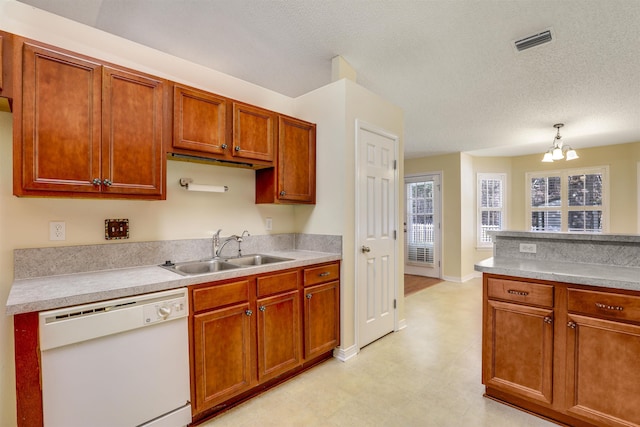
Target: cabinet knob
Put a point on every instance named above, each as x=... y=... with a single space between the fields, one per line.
x=572 y=325
x=309 y=296
x=282 y=193
x=548 y=320
x=248 y=312
x=96 y=181
x=107 y=182
x=237 y=148
x=223 y=146
x=262 y=308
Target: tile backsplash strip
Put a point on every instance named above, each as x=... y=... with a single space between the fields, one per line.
x=582 y=248
x=53 y=261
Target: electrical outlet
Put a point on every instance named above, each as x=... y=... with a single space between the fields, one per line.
x=268 y=224
x=529 y=248
x=57 y=230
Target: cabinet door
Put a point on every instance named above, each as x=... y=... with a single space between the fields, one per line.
x=278 y=334
x=61 y=117
x=603 y=371
x=296 y=160
x=254 y=133
x=321 y=319
x=518 y=350
x=199 y=121
x=222 y=355
x=132 y=161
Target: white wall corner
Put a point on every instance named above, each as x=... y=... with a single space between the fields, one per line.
x=341 y=69
x=344 y=354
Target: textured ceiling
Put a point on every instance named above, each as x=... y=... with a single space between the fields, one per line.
x=449 y=64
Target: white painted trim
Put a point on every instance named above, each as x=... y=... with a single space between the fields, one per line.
x=363 y=125
x=344 y=354
x=462 y=279
x=440 y=218
x=402 y=324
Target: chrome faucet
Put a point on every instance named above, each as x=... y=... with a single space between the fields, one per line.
x=227 y=240
x=216 y=243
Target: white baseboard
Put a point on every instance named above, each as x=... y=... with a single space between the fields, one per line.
x=402 y=323
x=344 y=354
x=462 y=279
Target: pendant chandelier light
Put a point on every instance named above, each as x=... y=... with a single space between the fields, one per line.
x=558 y=150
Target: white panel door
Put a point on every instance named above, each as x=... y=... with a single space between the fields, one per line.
x=376 y=228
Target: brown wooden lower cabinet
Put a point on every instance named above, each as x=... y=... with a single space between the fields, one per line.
x=568 y=353
x=249 y=334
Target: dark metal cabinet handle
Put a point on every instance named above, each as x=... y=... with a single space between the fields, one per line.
x=324 y=274
x=609 y=307
x=514 y=292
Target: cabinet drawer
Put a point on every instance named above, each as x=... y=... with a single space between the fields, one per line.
x=220 y=295
x=321 y=274
x=523 y=292
x=604 y=304
x=277 y=283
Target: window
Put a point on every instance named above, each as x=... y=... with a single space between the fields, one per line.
x=491 y=206
x=568 y=200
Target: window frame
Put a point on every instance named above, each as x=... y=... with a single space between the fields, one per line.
x=494 y=176
x=564 y=207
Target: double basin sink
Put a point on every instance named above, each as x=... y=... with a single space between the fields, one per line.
x=192 y=268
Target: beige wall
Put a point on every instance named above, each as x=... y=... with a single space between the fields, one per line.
x=459 y=193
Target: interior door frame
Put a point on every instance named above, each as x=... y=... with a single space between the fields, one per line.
x=361 y=125
x=437 y=250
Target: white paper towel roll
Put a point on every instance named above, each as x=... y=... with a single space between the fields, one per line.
x=207 y=188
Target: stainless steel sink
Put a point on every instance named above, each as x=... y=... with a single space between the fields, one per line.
x=255 y=259
x=192 y=268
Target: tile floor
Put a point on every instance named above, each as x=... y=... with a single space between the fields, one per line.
x=427 y=374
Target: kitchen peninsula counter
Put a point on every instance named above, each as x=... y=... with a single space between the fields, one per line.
x=605 y=260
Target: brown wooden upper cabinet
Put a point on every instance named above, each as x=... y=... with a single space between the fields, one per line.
x=6 y=86
x=254 y=133
x=293 y=179
x=87 y=129
x=200 y=123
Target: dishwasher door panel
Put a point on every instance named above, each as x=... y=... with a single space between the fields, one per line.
x=143 y=371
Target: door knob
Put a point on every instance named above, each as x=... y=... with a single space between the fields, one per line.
x=365 y=249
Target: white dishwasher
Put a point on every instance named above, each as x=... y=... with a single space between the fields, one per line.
x=123 y=362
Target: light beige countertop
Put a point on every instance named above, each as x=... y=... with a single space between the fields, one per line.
x=49 y=292
x=606 y=276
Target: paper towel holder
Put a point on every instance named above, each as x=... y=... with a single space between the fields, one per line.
x=184 y=182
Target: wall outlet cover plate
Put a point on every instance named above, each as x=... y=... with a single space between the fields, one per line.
x=115 y=229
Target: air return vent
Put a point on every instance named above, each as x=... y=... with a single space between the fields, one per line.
x=534 y=40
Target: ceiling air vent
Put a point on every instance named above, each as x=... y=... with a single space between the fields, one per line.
x=533 y=41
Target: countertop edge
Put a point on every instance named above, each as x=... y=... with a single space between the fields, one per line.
x=46 y=293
